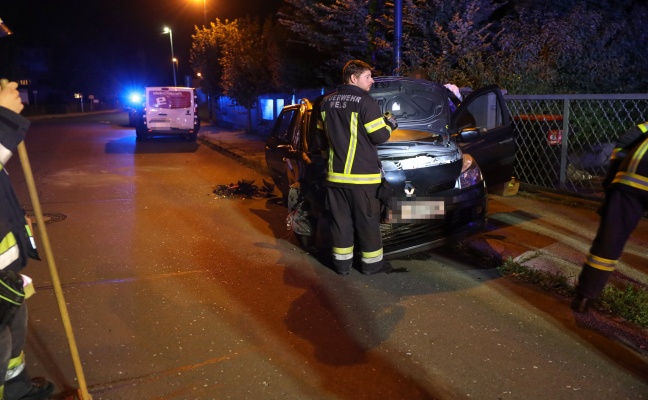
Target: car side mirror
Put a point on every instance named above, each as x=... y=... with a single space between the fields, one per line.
x=287 y=151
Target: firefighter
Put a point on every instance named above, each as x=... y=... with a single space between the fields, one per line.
x=16 y=246
x=626 y=201
x=354 y=125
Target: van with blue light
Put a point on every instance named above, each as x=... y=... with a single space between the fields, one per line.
x=169 y=111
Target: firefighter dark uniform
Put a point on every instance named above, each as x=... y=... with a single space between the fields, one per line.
x=626 y=201
x=16 y=246
x=354 y=125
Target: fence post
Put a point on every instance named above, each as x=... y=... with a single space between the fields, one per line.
x=564 y=144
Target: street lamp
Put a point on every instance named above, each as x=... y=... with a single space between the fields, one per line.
x=173 y=59
x=204 y=10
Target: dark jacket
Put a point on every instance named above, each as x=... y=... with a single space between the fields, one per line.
x=16 y=242
x=354 y=125
x=629 y=161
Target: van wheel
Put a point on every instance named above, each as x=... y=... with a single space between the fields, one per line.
x=140 y=132
x=191 y=137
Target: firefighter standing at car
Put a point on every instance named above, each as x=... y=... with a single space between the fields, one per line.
x=626 y=201
x=16 y=246
x=354 y=125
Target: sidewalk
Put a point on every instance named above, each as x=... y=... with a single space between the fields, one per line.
x=540 y=230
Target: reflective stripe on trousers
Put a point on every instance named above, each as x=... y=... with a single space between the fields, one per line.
x=16 y=366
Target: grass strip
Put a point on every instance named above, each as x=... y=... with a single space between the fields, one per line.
x=629 y=302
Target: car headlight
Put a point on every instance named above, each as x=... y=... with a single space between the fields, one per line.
x=470 y=173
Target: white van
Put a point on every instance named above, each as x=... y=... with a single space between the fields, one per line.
x=169 y=111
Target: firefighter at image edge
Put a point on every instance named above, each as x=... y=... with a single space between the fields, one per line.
x=626 y=201
x=354 y=125
x=16 y=246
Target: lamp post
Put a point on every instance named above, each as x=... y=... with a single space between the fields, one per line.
x=173 y=59
x=204 y=11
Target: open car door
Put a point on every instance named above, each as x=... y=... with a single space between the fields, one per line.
x=483 y=128
x=283 y=148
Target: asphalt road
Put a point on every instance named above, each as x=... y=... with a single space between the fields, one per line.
x=176 y=293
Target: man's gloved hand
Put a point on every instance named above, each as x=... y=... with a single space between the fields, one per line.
x=390 y=120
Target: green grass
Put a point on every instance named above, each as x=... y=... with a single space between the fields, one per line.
x=629 y=303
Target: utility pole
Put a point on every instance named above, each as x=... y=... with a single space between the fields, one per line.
x=398 y=34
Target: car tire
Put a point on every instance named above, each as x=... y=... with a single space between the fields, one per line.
x=304 y=241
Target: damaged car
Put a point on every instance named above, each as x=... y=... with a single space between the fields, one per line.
x=439 y=164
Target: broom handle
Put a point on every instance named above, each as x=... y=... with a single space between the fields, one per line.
x=33 y=194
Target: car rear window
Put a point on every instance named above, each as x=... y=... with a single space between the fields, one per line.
x=169 y=99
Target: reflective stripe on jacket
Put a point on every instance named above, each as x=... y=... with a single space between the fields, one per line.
x=633 y=150
x=354 y=125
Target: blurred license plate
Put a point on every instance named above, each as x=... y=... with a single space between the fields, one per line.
x=407 y=211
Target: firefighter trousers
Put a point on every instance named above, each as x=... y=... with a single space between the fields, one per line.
x=620 y=213
x=355 y=213
x=13 y=374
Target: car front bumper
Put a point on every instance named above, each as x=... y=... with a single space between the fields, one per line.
x=465 y=214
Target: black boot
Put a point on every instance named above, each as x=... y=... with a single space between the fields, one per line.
x=41 y=389
x=581 y=304
x=386 y=268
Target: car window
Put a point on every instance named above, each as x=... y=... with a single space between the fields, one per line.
x=169 y=99
x=283 y=125
x=483 y=112
x=296 y=136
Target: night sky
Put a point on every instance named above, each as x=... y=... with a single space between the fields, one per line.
x=119 y=34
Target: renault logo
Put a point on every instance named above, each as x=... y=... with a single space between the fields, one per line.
x=409 y=189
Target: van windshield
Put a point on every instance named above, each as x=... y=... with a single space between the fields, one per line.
x=169 y=99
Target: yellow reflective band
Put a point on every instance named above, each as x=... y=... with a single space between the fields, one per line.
x=356 y=179
x=343 y=250
x=374 y=125
x=601 y=263
x=633 y=180
x=9 y=251
x=343 y=253
x=637 y=157
x=372 y=257
x=617 y=153
x=353 y=143
x=16 y=366
x=643 y=127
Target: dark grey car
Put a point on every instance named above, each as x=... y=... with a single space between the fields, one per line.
x=438 y=164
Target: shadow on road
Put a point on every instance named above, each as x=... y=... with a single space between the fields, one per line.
x=129 y=145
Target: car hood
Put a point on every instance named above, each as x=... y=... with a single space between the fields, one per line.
x=419 y=106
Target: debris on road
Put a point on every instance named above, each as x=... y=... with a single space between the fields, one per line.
x=245 y=189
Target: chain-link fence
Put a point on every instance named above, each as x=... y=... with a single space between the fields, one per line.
x=564 y=141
